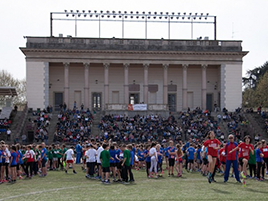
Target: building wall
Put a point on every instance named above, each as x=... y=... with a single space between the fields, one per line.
x=233 y=86
x=56 y=81
x=116 y=83
x=35 y=86
x=175 y=75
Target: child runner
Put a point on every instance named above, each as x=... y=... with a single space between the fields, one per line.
x=154 y=159
x=190 y=153
x=69 y=159
x=126 y=171
x=259 y=160
x=245 y=148
x=43 y=160
x=212 y=145
x=13 y=164
x=160 y=159
x=112 y=152
x=147 y=159
x=252 y=165
x=223 y=156
x=90 y=155
x=99 y=150
x=171 y=158
x=30 y=156
x=264 y=150
x=179 y=156
x=198 y=158
x=105 y=163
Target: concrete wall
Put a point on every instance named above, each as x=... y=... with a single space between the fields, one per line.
x=35 y=86
x=232 y=85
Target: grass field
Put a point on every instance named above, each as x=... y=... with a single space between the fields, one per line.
x=192 y=186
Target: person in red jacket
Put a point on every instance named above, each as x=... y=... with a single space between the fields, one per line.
x=231 y=158
x=264 y=150
x=213 y=145
x=245 y=148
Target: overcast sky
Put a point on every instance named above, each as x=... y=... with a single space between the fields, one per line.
x=244 y=20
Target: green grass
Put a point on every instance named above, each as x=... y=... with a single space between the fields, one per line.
x=192 y=186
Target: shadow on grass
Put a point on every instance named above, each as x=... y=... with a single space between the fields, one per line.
x=221 y=191
x=256 y=191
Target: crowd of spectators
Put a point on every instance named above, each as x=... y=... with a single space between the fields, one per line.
x=191 y=124
x=73 y=125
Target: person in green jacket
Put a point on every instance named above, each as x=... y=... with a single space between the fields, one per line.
x=252 y=163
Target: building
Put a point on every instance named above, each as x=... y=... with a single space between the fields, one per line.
x=110 y=73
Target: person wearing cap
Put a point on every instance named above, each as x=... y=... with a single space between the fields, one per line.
x=231 y=158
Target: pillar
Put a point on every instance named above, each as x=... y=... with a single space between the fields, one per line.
x=184 y=87
x=165 y=84
x=204 y=87
x=126 y=87
x=86 y=87
x=106 y=83
x=145 y=83
x=66 y=84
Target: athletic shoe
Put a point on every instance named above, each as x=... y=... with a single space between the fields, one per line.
x=150 y=176
x=66 y=172
x=156 y=177
x=172 y=175
x=213 y=180
x=126 y=183
x=248 y=176
x=209 y=178
x=20 y=177
x=87 y=176
x=225 y=181
x=74 y=172
x=168 y=174
x=243 y=175
x=107 y=182
x=131 y=180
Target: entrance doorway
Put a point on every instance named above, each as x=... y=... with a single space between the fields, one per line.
x=209 y=101
x=96 y=101
x=58 y=100
x=172 y=102
x=134 y=99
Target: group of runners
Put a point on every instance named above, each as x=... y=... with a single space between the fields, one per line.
x=109 y=160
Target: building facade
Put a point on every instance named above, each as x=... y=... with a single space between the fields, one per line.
x=108 y=74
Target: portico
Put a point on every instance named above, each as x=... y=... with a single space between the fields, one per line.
x=109 y=74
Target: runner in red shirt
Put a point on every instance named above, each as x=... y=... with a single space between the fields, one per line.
x=245 y=148
x=213 y=145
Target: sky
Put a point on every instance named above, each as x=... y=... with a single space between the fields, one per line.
x=244 y=20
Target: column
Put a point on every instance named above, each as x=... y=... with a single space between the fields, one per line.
x=204 y=87
x=165 y=84
x=126 y=87
x=184 y=87
x=145 y=83
x=86 y=87
x=106 y=83
x=66 y=84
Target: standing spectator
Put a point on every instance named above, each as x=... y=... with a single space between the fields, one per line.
x=231 y=158
x=69 y=159
x=259 y=160
x=78 y=149
x=8 y=134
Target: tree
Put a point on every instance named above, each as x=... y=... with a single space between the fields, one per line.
x=261 y=96
x=7 y=80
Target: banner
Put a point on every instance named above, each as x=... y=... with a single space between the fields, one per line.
x=135 y=107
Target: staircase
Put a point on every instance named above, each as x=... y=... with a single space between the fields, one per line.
x=256 y=125
x=223 y=124
x=95 y=129
x=52 y=126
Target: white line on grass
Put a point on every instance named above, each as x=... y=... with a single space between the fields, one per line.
x=39 y=192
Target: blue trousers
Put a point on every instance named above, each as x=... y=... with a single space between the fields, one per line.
x=227 y=169
x=78 y=157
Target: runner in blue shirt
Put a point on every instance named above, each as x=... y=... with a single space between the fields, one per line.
x=190 y=154
x=147 y=159
x=13 y=164
x=171 y=158
x=43 y=159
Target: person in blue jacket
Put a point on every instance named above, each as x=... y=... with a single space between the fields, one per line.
x=78 y=149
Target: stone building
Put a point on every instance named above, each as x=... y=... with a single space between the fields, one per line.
x=110 y=73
